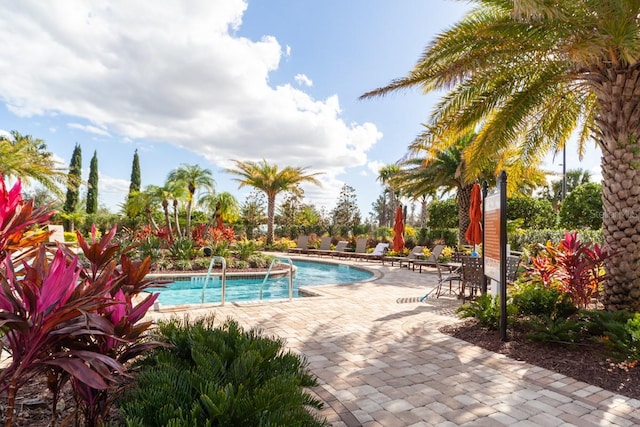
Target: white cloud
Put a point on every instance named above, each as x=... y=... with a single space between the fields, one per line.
x=375 y=166
x=168 y=72
x=90 y=129
x=303 y=80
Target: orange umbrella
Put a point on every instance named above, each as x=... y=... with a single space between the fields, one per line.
x=398 y=227
x=474 y=231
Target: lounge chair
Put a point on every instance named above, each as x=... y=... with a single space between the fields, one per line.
x=377 y=254
x=302 y=245
x=325 y=247
x=431 y=261
x=414 y=255
x=340 y=250
x=361 y=247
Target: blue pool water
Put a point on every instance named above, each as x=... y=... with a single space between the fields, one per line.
x=308 y=273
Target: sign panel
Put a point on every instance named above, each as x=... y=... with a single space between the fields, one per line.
x=491 y=245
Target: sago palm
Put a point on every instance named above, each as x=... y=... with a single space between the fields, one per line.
x=272 y=181
x=531 y=72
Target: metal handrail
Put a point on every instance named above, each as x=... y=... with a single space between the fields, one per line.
x=266 y=276
x=223 y=262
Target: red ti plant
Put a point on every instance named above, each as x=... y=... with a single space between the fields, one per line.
x=45 y=313
x=571 y=266
x=127 y=339
x=17 y=218
x=580 y=269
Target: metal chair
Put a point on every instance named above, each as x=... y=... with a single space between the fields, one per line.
x=471 y=274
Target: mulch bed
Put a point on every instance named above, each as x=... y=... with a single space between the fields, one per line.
x=585 y=362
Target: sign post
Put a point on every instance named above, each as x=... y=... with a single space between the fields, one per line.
x=495 y=244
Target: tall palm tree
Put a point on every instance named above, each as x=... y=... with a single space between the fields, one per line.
x=193 y=177
x=272 y=181
x=385 y=176
x=532 y=72
x=22 y=156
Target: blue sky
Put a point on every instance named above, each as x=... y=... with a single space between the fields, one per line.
x=205 y=82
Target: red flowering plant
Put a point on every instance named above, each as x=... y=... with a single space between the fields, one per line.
x=63 y=318
x=571 y=266
x=17 y=220
x=127 y=339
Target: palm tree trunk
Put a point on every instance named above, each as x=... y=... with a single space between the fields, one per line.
x=464 y=196
x=271 y=209
x=619 y=124
x=167 y=219
x=175 y=218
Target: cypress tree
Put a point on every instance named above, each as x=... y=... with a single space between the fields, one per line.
x=73 y=183
x=92 y=191
x=134 y=187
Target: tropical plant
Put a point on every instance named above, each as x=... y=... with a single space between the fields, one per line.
x=191 y=177
x=571 y=266
x=26 y=158
x=531 y=73
x=221 y=207
x=61 y=317
x=220 y=376
x=272 y=181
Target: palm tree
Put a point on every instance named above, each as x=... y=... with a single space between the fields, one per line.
x=272 y=181
x=222 y=206
x=192 y=177
x=532 y=72
x=445 y=171
x=385 y=176
x=22 y=156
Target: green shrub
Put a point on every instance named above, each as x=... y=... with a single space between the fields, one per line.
x=447 y=236
x=485 y=309
x=583 y=207
x=532 y=299
x=619 y=330
x=182 y=249
x=245 y=248
x=220 y=376
x=534 y=213
x=558 y=330
x=443 y=213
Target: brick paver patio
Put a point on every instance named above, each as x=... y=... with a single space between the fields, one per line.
x=381 y=361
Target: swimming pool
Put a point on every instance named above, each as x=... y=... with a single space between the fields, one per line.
x=307 y=273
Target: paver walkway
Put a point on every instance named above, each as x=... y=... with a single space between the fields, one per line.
x=381 y=361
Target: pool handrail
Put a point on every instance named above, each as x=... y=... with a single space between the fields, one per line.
x=266 y=276
x=223 y=262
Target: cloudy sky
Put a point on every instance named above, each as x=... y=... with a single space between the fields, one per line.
x=205 y=82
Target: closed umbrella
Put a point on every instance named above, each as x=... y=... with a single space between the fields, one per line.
x=474 y=231
x=398 y=228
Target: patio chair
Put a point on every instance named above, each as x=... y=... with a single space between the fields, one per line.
x=325 y=247
x=415 y=254
x=340 y=250
x=377 y=254
x=302 y=245
x=361 y=247
x=471 y=274
x=432 y=261
x=452 y=274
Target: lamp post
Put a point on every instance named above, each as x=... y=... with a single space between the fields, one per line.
x=564 y=173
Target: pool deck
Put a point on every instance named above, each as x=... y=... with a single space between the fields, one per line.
x=381 y=361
